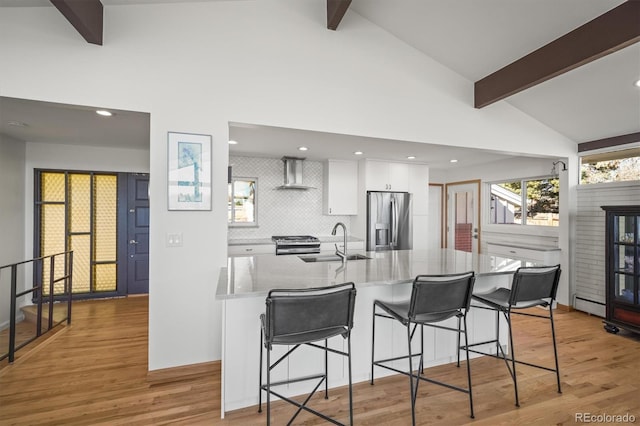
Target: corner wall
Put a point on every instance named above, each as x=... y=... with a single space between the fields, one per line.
x=12 y=223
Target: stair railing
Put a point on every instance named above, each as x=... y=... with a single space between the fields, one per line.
x=39 y=295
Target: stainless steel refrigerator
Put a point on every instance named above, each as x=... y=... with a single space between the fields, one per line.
x=389 y=221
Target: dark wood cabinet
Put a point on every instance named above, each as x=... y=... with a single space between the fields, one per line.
x=622 y=253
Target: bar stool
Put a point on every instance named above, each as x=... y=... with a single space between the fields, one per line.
x=531 y=286
x=434 y=299
x=302 y=317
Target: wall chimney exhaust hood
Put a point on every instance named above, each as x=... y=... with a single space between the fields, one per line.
x=293 y=174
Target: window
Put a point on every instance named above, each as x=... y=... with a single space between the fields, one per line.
x=242 y=204
x=525 y=202
x=614 y=166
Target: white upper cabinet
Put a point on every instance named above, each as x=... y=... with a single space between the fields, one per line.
x=340 y=196
x=385 y=176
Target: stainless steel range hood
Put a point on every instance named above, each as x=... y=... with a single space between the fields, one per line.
x=293 y=174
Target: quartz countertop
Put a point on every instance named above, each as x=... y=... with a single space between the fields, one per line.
x=255 y=275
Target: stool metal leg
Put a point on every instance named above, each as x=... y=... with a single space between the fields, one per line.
x=326 y=369
x=373 y=340
x=497 y=332
x=260 y=377
x=268 y=386
x=421 y=363
x=458 y=340
x=513 y=357
x=466 y=345
x=555 y=349
x=413 y=393
x=350 y=380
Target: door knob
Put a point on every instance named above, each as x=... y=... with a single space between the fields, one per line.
x=133 y=242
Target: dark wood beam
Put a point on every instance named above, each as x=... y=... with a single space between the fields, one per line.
x=609 y=142
x=608 y=33
x=335 y=12
x=86 y=16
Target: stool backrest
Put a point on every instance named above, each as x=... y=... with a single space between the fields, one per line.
x=291 y=312
x=441 y=293
x=535 y=283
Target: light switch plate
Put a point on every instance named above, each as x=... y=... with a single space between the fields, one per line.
x=174 y=240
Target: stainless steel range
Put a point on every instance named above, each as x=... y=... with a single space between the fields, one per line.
x=296 y=244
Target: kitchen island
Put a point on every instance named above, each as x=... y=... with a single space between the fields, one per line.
x=243 y=286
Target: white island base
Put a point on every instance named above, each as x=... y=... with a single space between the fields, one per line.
x=244 y=284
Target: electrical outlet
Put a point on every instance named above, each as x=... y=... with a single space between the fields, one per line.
x=174 y=240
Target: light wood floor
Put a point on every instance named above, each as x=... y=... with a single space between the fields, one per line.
x=95 y=373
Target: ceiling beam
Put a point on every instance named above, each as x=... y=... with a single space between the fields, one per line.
x=86 y=16
x=335 y=12
x=609 y=142
x=608 y=33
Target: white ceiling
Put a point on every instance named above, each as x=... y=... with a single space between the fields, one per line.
x=471 y=37
x=477 y=37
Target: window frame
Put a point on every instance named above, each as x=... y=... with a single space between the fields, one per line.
x=231 y=221
x=609 y=154
x=518 y=228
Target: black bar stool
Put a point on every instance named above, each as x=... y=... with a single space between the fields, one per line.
x=302 y=317
x=531 y=286
x=434 y=298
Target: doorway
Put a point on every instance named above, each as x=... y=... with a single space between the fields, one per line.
x=463 y=216
x=104 y=218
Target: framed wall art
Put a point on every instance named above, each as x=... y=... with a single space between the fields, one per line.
x=189 y=174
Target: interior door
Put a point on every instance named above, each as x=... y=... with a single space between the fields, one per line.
x=463 y=216
x=138 y=234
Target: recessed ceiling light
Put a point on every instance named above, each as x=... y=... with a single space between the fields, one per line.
x=411 y=157
x=17 y=123
x=302 y=148
x=233 y=143
x=453 y=161
x=358 y=153
x=637 y=83
x=104 y=113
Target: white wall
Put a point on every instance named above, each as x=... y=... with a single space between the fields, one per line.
x=12 y=218
x=194 y=67
x=590 y=242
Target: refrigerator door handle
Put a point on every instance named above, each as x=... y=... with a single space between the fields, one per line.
x=394 y=222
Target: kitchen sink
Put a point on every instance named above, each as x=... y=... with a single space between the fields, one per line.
x=331 y=257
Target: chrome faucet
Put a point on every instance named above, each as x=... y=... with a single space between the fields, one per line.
x=341 y=254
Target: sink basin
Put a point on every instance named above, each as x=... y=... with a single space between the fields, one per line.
x=331 y=257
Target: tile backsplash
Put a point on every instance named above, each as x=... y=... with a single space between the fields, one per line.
x=284 y=211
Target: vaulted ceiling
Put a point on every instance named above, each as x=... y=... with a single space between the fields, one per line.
x=578 y=82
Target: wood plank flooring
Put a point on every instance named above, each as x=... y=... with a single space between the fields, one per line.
x=95 y=373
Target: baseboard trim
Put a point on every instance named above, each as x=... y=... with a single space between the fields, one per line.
x=565 y=308
x=182 y=372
